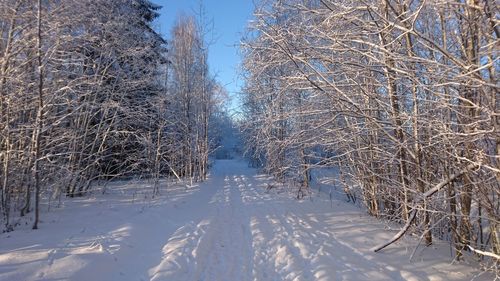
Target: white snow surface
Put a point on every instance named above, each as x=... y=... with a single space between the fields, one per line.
x=228 y=228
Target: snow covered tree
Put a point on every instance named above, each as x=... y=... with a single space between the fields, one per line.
x=77 y=96
x=399 y=95
x=191 y=90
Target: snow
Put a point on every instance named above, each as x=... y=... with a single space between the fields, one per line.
x=228 y=228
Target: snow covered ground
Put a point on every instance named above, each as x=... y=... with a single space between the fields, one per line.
x=228 y=228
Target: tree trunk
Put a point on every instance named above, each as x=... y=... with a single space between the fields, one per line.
x=39 y=120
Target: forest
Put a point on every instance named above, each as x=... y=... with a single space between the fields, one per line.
x=89 y=92
x=400 y=98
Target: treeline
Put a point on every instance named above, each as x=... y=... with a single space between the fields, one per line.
x=90 y=91
x=402 y=96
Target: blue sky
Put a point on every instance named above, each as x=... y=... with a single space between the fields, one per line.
x=230 y=18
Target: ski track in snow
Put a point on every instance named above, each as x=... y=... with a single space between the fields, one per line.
x=227 y=229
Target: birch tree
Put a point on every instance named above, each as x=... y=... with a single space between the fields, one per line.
x=192 y=89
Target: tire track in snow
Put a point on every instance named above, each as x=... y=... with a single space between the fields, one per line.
x=273 y=258
x=225 y=256
x=217 y=248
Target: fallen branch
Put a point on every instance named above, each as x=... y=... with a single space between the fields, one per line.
x=489 y=254
x=413 y=213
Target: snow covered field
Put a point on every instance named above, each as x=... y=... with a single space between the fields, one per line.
x=228 y=228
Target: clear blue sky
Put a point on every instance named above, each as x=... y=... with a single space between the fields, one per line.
x=230 y=18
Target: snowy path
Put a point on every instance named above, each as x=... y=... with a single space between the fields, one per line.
x=228 y=228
